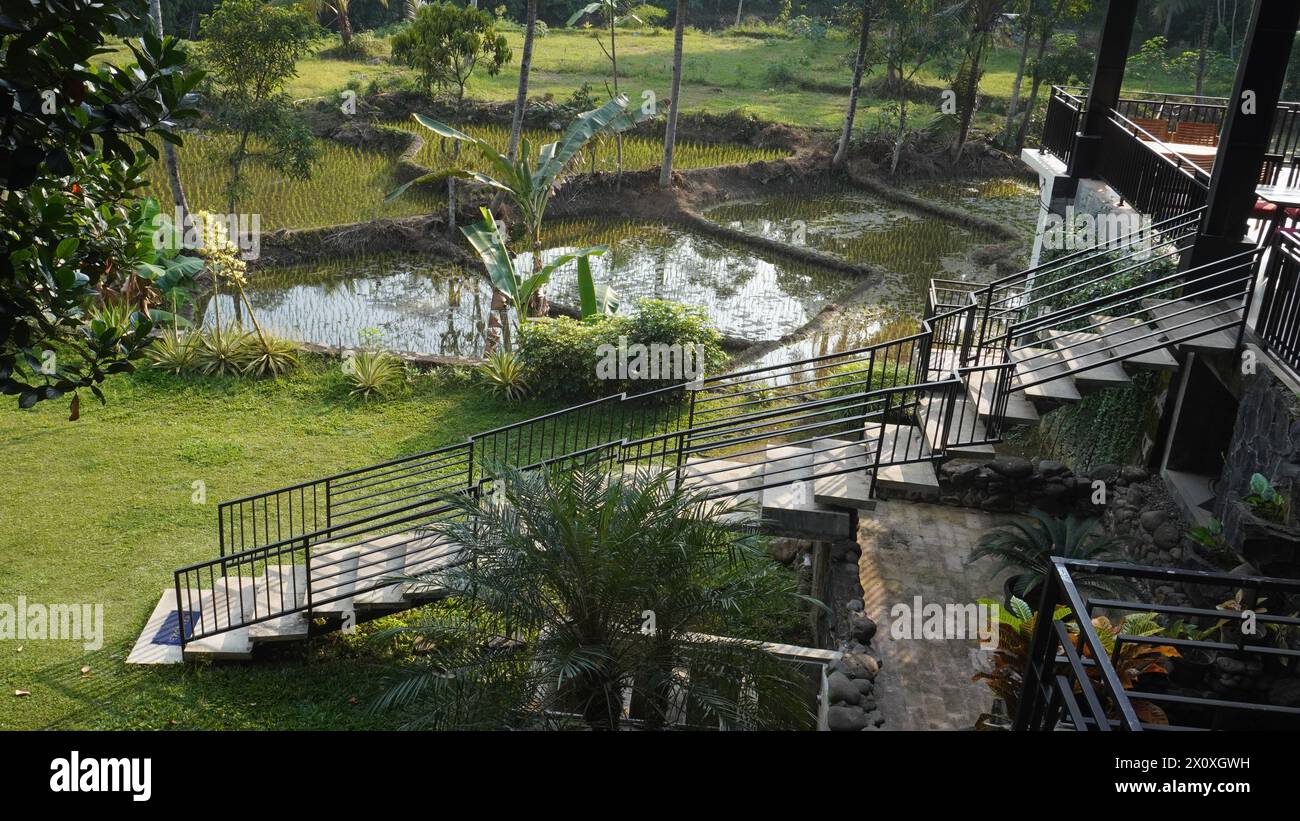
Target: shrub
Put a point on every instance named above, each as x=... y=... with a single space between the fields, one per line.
x=271 y=355
x=561 y=355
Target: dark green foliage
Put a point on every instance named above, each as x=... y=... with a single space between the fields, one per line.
x=574 y=585
x=561 y=355
x=73 y=150
x=1027 y=549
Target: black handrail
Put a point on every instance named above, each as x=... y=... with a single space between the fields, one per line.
x=1058 y=671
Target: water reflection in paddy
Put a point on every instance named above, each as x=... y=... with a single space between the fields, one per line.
x=416 y=305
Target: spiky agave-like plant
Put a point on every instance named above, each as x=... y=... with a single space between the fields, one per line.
x=1028 y=549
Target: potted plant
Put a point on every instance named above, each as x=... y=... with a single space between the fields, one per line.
x=1266 y=535
x=1029 y=548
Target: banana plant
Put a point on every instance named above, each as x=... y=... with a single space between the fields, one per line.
x=490 y=244
x=529 y=181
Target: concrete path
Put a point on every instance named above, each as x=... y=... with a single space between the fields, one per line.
x=917 y=549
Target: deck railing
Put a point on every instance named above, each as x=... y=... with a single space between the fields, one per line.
x=1277 y=325
x=1070 y=680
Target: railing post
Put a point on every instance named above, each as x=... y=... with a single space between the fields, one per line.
x=1041 y=658
x=683 y=434
x=329 y=508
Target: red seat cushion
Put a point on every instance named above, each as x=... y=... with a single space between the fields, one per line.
x=1264 y=208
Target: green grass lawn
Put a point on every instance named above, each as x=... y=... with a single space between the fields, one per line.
x=100 y=511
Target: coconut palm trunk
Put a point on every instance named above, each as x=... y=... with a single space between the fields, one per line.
x=521 y=96
x=169 y=150
x=859 y=65
x=345 y=22
x=674 y=104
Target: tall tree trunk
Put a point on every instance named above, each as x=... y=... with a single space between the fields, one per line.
x=1169 y=20
x=1015 y=90
x=613 y=61
x=1206 y=23
x=859 y=65
x=169 y=150
x=970 y=93
x=521 y=96
x=674 y=104
x=740 y=6
x=1044 y=36
x=345 y=22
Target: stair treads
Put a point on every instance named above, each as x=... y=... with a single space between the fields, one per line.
x=1182 y=319
x=1034 y=365
x=1128 y=339
x=848 y=489
x=1018 y=411
x=966 y=433
x=1088 y=359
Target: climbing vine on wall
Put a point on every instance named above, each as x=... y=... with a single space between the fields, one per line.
x=1107 y=427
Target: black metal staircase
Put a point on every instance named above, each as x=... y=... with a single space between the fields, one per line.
x=807 y=441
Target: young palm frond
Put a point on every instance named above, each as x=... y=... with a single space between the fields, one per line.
x=587 y=586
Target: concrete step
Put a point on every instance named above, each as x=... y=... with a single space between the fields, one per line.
x=898 y=443
x=1125 y=337
x=966 y=434
x=430 y=553
x=1219 y=333
x=1036 y=364
x=230 y=645
x=790 y=508
x=1019 y=410
x=739 y=481
x=378 y=560
x=286 y=587
x=842 y=489
x=1091 y=363
x=222 y=608
x=333 y=576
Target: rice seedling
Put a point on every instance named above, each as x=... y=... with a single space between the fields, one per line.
x=504 y=374
x=639 y=153
x=373 y=373
x=347 y=185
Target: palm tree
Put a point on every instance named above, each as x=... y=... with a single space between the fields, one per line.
x=859 y=65
x=521 y=96
x=1029 y=550
x=674 y=104
x=573 y=587
x=340 y=9
x=169 y=150
x=982 y=17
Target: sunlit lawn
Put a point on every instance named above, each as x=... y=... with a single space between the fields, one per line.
x=101 y=511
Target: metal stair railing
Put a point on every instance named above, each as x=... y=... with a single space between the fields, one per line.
x=951 y=375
